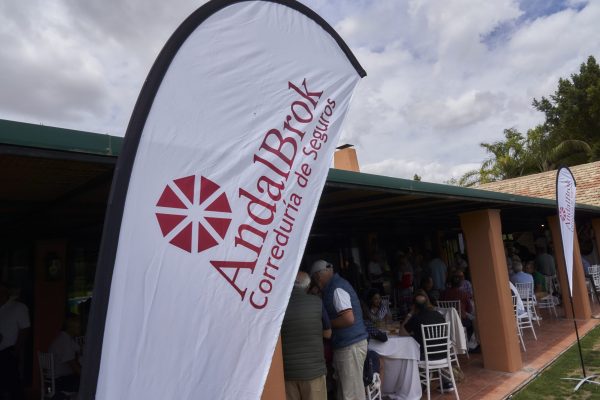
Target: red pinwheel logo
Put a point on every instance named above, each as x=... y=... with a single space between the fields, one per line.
x=193 y=213
x=562 y=214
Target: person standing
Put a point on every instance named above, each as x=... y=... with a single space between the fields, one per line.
x=14 y=325
x=349 y=338
x=375 y=271
x=439 y=272
x=544 y=262
x=302 y=335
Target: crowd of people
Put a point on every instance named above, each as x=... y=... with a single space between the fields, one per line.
x=15 y=327
x=332 y=315
x=524 y=267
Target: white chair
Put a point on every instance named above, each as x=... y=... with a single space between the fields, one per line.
x=527 y=294
x=456 y=305
x=523 y=320
x=436 y=344
x=373 y=391
x=555 y=285
x=450 y=304
x=48 y=390
x=46 y=362
x=547 y=303
x=516 y=311
x=595 y=273
x=590 y=289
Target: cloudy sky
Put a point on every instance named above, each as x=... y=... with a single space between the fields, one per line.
x=443 y=76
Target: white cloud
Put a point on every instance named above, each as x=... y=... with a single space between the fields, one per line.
x=428 y=171
x=442 y=76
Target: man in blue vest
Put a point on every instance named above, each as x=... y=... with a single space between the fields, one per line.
x=349 y=338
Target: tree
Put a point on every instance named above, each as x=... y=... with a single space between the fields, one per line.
x=546 y=155
x=570 y=134
x=519 y=155
x=509 y=159
x=573 y=111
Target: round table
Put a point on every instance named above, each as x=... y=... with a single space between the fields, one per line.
x=400 y=356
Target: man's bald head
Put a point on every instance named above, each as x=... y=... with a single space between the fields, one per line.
x=302 y=280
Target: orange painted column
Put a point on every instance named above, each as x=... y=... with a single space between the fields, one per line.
x=275 y=384
x=495 y=316
x=581 y=301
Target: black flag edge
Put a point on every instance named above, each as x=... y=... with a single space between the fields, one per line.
x=124 y=167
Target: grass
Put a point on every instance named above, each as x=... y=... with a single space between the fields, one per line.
x=549 y=385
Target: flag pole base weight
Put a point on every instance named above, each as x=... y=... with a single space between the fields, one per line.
x=582 y=381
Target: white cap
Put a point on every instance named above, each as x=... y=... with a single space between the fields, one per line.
x=319 y=265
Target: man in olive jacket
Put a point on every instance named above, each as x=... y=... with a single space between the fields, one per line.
x=302 y=335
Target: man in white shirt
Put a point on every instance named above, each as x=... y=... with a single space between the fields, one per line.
x=14 y=325
x=349 y=338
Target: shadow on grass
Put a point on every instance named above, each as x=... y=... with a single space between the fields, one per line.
x=549 y=385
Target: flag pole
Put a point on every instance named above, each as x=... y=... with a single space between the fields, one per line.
x=576 y=330
x=565 y=207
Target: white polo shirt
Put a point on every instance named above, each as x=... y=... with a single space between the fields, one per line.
x=341 y=300
x=14 y=316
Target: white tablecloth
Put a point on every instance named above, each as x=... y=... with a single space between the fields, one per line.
x=457 y=331
x=400 y=367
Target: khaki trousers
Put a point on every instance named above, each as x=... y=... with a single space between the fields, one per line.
x=315 y=389
x=349 y=362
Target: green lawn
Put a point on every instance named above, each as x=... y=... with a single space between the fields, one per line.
x=548 y=385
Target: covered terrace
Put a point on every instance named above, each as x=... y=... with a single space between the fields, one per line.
x=55 y=185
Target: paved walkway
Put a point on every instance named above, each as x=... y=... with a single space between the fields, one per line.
x=554 y=337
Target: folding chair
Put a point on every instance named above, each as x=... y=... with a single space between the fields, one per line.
x=46 y=362
x=436 y=344
x=48 y=391
x=451 y=304
x=373 y=391
x=548 y=301
x=555 y=284
x=523 y=321
x=595 y=273
x=528 y=298
x=456 y=305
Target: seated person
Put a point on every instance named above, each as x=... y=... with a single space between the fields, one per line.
x=432 y=293
x=466 y=307
x=518 y=275
x=65 y=350
x=539 y=281
x=455 y=293
x=377 y=310
x=465 y=285
x=424 y=314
